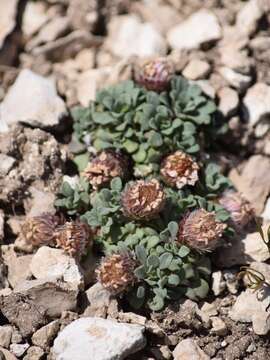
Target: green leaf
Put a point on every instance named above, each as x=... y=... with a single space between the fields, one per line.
x=81 y=161
x=155 y=139
x=173 y=228
x=183 y=251
x=140 y=292
x=116 y=184
x=174 y=280
x=66 y=189
x=141 y=254
x=130 y=146
x=165 y=260
x=153 y=261
x=140 y=272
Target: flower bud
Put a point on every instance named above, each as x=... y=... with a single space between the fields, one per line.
x=143 y=199
x=200 y=230
x=74 y=237
x=40 y=230
x=179 y=169
x=116 y=272
x=239 y=208
x=107 y=165
x=154 y=74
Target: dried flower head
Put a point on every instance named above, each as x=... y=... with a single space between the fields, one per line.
x=179 y=169
x=200 y=230
x=74 y=237
x=116 y=272
x=40 y=230
x=154 y=74
x=105 y=166
x=143 y=199
x=239 y=208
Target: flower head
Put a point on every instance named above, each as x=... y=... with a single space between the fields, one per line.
x=105 y=166
x=200 y=230
x=116 y=272
x=74 y=237
x=239 y=208
x=143 y=199
x=179 y=169
x=154 y=74
x=40 y=230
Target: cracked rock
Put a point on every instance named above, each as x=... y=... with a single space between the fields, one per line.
x=46 y=111
x=99 y=339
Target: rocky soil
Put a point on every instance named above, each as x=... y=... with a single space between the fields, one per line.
x=55 y=54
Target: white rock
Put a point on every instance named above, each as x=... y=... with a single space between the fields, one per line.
x=44 y=336
x=218 y=283
x=235 y=79
x=249 y=15
x=89 y=82
x=196 y=69
x=2 y=224
x=243 y=251
x=41 y=202
x=32 y=99
x=266 y=212
x=255 y=175
x=188 y=350
x=19 y=349
x=98 y=339
x=218 y=326
x=200 y=28
x=257 y=103
x=5 y=335
x=6 y=163
x=249 y=307
x=228 y=102
x=50 y=262
x=34 y=17
x=8 y=11
x=128 y=36
x=49 y=32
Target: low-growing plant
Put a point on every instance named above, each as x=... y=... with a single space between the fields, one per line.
x=149 y=195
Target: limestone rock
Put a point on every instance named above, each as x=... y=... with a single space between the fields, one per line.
x=254 y=181
x=44 y=336
x=266 y=211
x=257 y=104
x=32 y=99
x=128 y=29
x=98 y=339
x=187 y=349
x=200 y=28
x=229 y=101
x=235 y=79
x=34 y=17
x=196 y=69
x=50 y=262
x=242 y=250
x=250 y=14
x=6 y=164
x=5 y=335
x=34 y=353
x=19 y=349
x=7 y=354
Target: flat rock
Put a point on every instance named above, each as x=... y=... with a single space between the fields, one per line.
x=5 y=335
x=8 y=13
x=18 y=266
x=98 y=339
x=50 y=262
x=45 y=111
x=257 y=103
x=242 y=250
x=237 y=80
x=40 y=202
x=187 y=349
x=42 y=291
x=248 y=17
x=19 y=349
x=228 y=101
x=200 y=28
x=196 y=69
x=34 y=17
x=251 y=307
x=255 y=175
x=6 y=164
x=44 y=336
x=34 y=353
x=8 y=355
x=128 y=29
